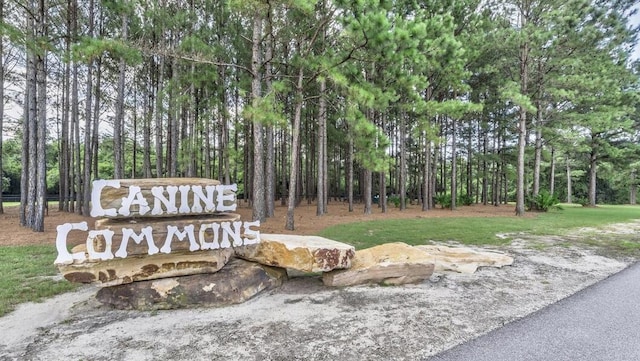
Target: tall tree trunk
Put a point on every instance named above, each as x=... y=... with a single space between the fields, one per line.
x=469 y=186
x=322 y=151
x=427 y=174
x=158 y=118
x=593 y=158
x=208 y=167
x=270 y=160
x=41 y=160
x=29 y=132
x=191 y=127
x=96 y=120
x=522 y=121
x=537 y=158
x=495 y=175
x=350 y=173
x=146 y=126
x=295 y=156
x=569 y=190
x=134 y=138
x=258 y=192
x=224 y=133
x=24 y=172
x=85 y=191
x=368 y=189
x=63 y=204
x=485 y=185
x=538 y=143
x=382 y=180
x=403 y=162
x=283 y=168
x=454 y=168
x=382 y=174
x=74 y=163
x=633 y=188
x=2 y=70
x=552 y=176
x=174 y=119
x=119 y=116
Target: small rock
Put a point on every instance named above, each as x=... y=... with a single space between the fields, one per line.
x=237 y=282
x=302 y=253
x=391 y=263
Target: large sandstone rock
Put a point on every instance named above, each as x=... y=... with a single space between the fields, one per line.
x=126 y=270
x=463 y=259
x=391 y=263
x=111 y=198
x=159 y=229
x=237 y=282
x=302 y=253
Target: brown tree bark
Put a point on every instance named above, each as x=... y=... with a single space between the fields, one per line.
x=41 y=121
x=568 y=170
x=321 y=184
x=258 y=192
x=522 y=121
x=295 y=156
x=2 y=71
x=118 y=121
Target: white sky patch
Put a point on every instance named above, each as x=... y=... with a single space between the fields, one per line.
x=634 y=20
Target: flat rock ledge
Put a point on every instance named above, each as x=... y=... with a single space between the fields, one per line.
x=463 y=259
x=391 y=264
x=126 y=270
x=237 y=282
x=301 y=253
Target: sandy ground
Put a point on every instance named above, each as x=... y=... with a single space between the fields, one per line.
x=303 y=320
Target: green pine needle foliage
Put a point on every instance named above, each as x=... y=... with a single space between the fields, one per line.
x=543 y=202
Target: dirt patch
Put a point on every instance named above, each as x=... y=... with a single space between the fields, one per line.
x=305 y=320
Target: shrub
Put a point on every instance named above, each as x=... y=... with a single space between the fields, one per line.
x=543 y=202
x=395 y=200
x=444 y=200
x=465 y=200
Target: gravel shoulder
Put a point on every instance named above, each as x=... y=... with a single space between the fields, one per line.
x=305 y=320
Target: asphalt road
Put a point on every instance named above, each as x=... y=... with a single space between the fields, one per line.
x=601 y=322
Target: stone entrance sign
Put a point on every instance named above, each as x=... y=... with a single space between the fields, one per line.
x=175 y=242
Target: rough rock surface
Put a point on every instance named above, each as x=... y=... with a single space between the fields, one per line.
x=237 y=282
x=463 y=259
x=126 y=270
x=390 y=263
x=301 y=253
x=159 y=233
x=111 y=197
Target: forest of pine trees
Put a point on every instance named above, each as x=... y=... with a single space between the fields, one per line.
x=370 y=101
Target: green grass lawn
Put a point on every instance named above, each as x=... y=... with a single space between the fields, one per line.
x=477 y=230
x=26 y=275
x=26 y=272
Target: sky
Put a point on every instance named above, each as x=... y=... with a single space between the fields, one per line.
x=635 y=21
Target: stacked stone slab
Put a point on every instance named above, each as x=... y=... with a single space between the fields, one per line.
x=148 y=274
x=143 y=276
x=139 y=264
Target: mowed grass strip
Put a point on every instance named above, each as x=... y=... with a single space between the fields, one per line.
x=477 y=230
x=27 y=274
